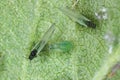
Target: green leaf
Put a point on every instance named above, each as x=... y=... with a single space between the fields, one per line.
x=24 y=22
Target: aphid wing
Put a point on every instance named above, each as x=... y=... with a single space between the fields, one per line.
x=46 y=37
x=75 y=16
x=36 y=46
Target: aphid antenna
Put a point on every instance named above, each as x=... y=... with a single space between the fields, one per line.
x=75 y=41
x=31 y=74
x=27 y=58
x=114 y=69
x=77 y=45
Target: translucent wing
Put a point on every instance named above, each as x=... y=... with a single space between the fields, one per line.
x=82 y=20
x=40 y=45
x=45 y=38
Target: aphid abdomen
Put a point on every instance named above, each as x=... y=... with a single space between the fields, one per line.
x=64 y=46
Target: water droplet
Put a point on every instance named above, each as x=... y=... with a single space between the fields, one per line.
x=110 y=39
x=101 y=14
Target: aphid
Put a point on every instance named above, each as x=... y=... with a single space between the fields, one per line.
x=114 y=70
x=64 y=46
x=41 y=44
x=79 y=18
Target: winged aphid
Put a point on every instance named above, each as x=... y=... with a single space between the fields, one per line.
x=79 y=18
x=41 y=44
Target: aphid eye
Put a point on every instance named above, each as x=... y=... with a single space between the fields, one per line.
x=33 y=54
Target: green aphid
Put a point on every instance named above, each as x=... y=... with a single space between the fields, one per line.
x=79 y=18
x=64 y=46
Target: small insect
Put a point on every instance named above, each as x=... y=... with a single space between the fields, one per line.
x=64 y=46
x=79 y=18
x=114 y=70
x=41 y=44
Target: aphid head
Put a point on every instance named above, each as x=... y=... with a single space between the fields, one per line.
x=33 y=54
x=90 y=24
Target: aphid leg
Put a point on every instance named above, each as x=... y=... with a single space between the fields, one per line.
x=114 y=70
x=61 y=31
x=75 y=2
x=110 y=75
